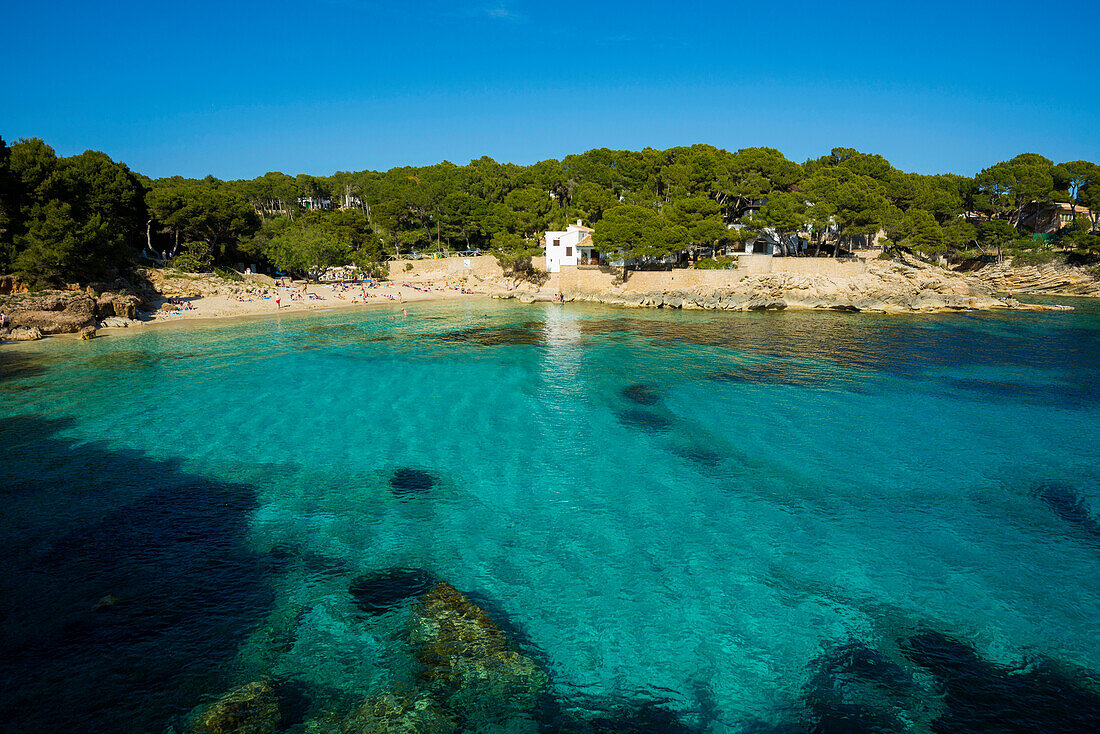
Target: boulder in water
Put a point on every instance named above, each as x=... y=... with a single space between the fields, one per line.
x=251 y=709
x=87 y=332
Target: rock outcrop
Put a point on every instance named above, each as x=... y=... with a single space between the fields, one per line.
x=87 y=332
x=71 y=311
x=1053 y=279
x=24 y=334
x=54 y=313
x=250 y=709
x=469 y=665
x=110 y=305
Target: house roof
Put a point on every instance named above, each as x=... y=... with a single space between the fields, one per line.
x=586 y=241
x=581 y=227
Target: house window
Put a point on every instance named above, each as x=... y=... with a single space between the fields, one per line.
x=569 y=252
x=1066 y=218
x=557 y=243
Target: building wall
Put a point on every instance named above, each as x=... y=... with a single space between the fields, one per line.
x=555 y=256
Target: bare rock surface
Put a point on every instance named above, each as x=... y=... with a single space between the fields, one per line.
x=1055 y=279
x=25 y=334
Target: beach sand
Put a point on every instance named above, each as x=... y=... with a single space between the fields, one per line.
x=315 y=297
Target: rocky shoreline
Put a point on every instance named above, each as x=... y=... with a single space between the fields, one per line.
x=1053 y=279
x=890 y=288
x=880 y=287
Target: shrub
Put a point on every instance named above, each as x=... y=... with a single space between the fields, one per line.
x=719 y=263
x=195 y=258
x=228 y=274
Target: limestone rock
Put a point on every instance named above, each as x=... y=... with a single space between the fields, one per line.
x=25 y=334
x=113 y=305
x=765 y=304
x=116 y=322
x=250 y=709
x=55 y=315
x=468 y=663
x=87 y=332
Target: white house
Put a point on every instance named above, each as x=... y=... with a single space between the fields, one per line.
x=571 y=247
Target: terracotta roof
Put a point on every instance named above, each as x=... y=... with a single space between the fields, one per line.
x=581 y=227
x=586 y=241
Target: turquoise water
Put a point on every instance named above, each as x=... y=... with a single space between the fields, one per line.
x=693 y=521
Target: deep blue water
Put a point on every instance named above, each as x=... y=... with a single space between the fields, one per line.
x=768 y=522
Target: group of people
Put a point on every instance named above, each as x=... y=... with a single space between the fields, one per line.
x=178 y=304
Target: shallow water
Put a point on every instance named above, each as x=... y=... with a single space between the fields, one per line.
x=762 y=522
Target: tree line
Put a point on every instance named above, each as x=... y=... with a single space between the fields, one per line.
x=86 y=216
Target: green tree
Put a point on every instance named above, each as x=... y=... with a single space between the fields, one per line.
x=785 y=213
x=1007 y=187
x=638 y=234
x=307 y=250
x=56 y=246
x=512 y=250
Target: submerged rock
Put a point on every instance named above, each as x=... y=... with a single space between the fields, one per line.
x=382 y=591
x=641 y=393
x=980 y=696
x=469 y=665
x=1070 y=506
x=389 y=713
x=407 y=481
x=251 y=709
x=639 y=418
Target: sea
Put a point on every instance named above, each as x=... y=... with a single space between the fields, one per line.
x=691 y=521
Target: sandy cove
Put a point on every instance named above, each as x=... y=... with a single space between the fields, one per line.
x=302 y=298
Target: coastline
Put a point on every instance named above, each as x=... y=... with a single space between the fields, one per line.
x=866 y=286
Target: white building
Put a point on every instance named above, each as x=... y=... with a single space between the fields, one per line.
x=571 y=247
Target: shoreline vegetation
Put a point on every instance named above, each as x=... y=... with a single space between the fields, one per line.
x=86 y=243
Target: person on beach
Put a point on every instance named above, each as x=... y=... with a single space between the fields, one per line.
x=278 y=301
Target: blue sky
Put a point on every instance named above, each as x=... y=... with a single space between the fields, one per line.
x=239 y=89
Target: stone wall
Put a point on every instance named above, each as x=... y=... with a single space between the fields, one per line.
x=590 y=279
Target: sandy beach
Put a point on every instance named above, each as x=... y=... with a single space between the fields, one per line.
x=300 y=297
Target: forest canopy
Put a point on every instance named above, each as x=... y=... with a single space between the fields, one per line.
x=86 y=217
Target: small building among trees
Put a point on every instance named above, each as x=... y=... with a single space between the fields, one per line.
x=574 y=246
